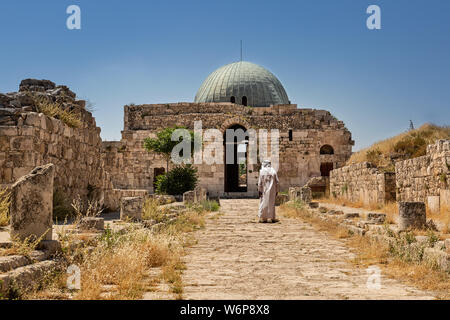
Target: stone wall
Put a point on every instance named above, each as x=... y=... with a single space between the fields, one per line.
x=29 y=139
x=363 y=182
x=302 y=134
x=426 y=176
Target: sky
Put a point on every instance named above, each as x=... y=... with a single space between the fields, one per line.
x=146 y=51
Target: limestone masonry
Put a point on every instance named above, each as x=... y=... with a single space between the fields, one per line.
x=303 y=135
x=364 y=183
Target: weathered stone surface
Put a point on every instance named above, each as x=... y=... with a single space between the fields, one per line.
x=32 y=204
x=411 y=215
x=351 y=215
x=313 y=205
x=92 y=223
x=281 y=198
x=376 y=217
x=437 y=258
x=131 y=208
x=425 y=176
x=363 y=182
x=303 y=194
x=27 y=277
x=197 y=195
x=433 y=203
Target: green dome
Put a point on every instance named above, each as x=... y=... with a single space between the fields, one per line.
x=243 y=83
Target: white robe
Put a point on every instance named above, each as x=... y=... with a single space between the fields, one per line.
x=268 y=185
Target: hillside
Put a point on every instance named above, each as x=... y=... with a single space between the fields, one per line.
x=407 y=145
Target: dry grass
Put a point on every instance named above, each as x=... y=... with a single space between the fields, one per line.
x=4 y=207
x=122 y=265
x=409 y=144
x=123 y=261
x=22 y=247
x=55 y=110
x=371 y=252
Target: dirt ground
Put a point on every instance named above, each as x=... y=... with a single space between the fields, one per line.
x=238 y=258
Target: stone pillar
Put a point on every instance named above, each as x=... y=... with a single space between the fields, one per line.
x=411 y=215
x=131 y=208
x=306 y=194
x=434 y=204
x=32 y=204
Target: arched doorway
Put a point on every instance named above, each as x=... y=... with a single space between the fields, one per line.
x=244 y=100
x=236 y=145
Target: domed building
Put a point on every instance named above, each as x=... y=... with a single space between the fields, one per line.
x=244 y=83
x=240 y=95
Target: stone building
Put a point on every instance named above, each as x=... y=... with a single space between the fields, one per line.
x=240 y=95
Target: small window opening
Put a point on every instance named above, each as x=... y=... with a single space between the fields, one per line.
x=233 y=99
x=290 y=135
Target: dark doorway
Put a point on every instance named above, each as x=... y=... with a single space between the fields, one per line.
x=244 y=100
x=233 y=99
x=236 y=166
x=157 y=172
x=325 y=169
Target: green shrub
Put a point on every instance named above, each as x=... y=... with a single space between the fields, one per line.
x=210 y=205
x=177 y=181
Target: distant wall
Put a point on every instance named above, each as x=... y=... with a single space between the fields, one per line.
x=363 y=182
x=429 y=175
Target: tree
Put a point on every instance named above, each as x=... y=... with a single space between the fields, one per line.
x=163 y=143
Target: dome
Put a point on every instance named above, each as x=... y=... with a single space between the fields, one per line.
x=243 y=83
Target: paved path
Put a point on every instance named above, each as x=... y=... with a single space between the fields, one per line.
x=237 y=258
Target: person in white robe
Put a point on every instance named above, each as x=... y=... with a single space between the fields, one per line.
x=268 y=185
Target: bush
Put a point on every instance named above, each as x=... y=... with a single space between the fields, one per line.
x=177 y=181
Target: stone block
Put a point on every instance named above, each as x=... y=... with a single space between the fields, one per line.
x=131 y=208
x=281 y=198
x=376 y=217
x=313 y=205
x=92 y=223
x=351 y=215
x=411 y=215
x=436 y=258
x=433 y=203
x=32 y=204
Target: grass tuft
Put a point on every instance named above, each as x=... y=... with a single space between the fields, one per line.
x=4 y=207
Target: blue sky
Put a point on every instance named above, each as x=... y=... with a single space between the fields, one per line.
x=140 y=51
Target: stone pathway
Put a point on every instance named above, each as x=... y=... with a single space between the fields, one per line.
x=238 y=258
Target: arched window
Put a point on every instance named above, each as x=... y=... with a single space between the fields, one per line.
x=326 y=149
x=233 y=99
x=244 y=100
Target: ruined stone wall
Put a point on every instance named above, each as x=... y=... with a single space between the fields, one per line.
x=133 y=167
x=363 y=182
x=29 y=139
x=429 y=175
